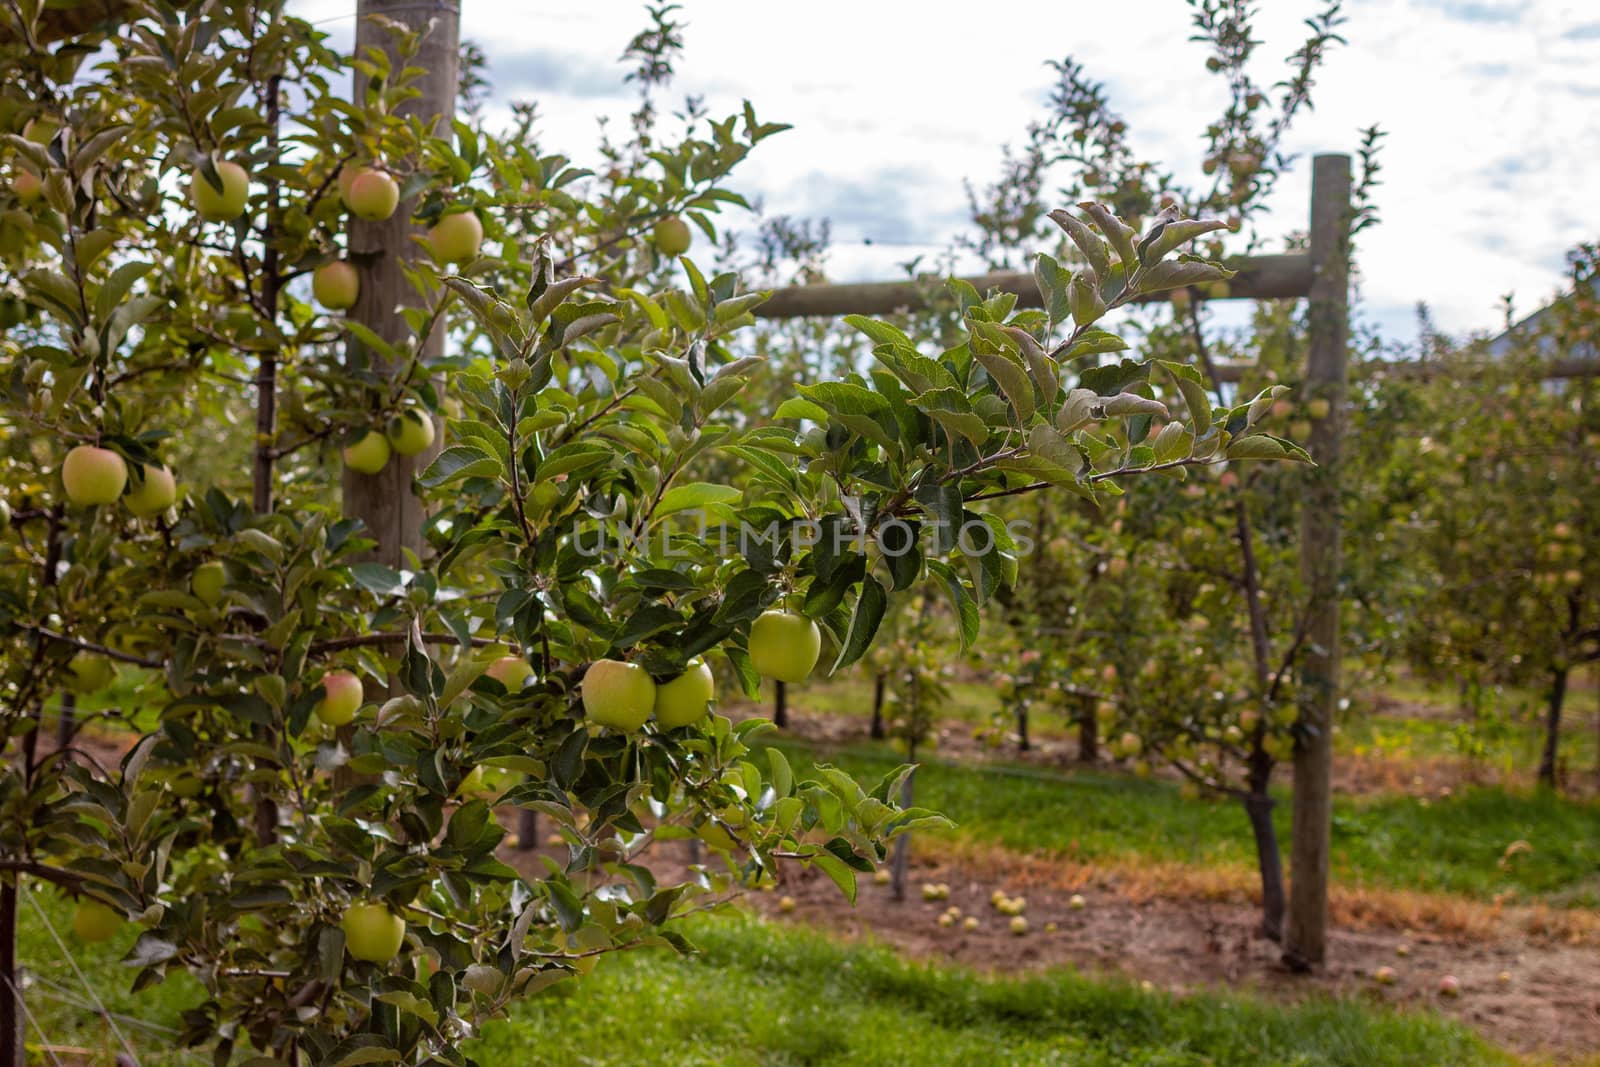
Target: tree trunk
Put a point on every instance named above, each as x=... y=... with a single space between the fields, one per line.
x=1088 y=732
x=384 y=501
x=1022 y=728
x=261 y=473
x=66 y=720
x=527 y=830
x=1258 y=806
x=1552 y=727
x=1306 y=935
x=12 y=1017
x=902 y=844
x=780 y=705
x=878 y=685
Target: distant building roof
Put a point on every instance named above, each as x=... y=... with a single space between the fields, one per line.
x=1532 y=326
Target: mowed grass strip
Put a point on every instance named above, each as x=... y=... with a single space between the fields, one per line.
x=765 y=994
x=1456 y=844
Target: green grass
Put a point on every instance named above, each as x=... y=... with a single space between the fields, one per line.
x=769 y=995
x=1509 y=737
x=68 y=984
x=1443 y=845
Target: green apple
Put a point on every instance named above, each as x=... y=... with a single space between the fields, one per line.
x=456 y=238
x=784 y=645
x=27 y=186
x=410 y=432
x=368 y=455
x=372 y=932
x=41 y=130
x=155 y=494
x=619 y=695
x=373 y=195
x=94 y=922
x=671 y=236
x=1299 y=430
x=336 y=285
x=512 y=672
x=89 y=673
x=208 y=582
x=220 y=205
x=1131 y=745
x=1318 y=408
x=93 y=475
x=342 y=698
x=1019 y=926
x=687 y=698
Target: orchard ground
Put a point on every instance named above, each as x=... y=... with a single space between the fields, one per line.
x=1447 y=862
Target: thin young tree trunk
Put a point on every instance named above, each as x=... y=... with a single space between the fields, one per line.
x=1022 y=728
x=66 y=721
x=878 y=685
x=902 y=844
x=1258 y=806
x=1552 y=727
x=1088 y=732
x=12 y=1019
x=527 y=830
x=780 y=705
x=266 y=810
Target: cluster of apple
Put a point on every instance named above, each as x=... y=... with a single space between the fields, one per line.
x=619 y=695
x=92 y=475
x=1559 y=557
x=783 y=646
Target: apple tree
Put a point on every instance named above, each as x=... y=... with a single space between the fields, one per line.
x=307 y=817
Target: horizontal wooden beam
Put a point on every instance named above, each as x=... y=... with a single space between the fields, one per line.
x=1260 y=278
x=1410 y=368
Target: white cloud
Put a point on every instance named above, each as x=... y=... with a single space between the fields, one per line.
x=1490 y=106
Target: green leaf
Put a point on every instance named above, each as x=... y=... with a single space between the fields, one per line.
x=966 y=609
x=864 y=623
x=458 y=462
x=1114 y=378
x=841 y=873
x=799 y=408
x=1256 y=446
x=881 y=332
x=1175 y=274
x=846 y=398
x=695 y=495
x=950 y=409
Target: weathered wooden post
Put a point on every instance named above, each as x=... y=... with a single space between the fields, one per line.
x=384 y=501
x=1305 y=943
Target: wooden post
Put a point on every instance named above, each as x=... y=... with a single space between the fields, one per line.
x=1305 y=943
x=384 y=501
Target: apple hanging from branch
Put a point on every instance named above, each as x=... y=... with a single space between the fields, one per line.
x=785 y=646
x=617 y=694
x=220 y=204
x=93 y=475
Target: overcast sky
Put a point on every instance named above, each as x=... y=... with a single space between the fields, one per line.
x=1492 y=109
